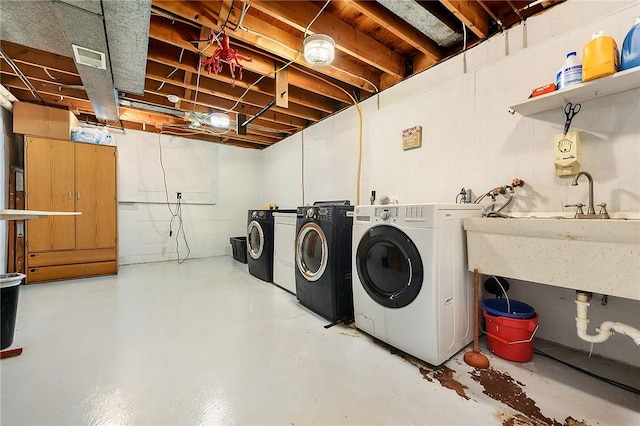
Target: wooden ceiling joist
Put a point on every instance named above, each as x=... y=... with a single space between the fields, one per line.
x=471 y=14
x=399 y=28
x=266 y=86
x=343 y=70
x=353 y=42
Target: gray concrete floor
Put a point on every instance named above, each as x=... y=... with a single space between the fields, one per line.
x=204 y=342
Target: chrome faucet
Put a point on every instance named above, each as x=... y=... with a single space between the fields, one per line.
x=591 y=211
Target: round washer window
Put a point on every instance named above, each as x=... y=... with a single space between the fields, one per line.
x=311 y=251
x=389 y=266
x=255 y=240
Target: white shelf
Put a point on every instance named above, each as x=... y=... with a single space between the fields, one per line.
x=612 y=84
x=11 y=214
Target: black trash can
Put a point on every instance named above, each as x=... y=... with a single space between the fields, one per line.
x=239 y=248
x=9 y=289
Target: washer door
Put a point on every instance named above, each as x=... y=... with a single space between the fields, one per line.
x=311 y=251
x=389 y=266
x=255 y=240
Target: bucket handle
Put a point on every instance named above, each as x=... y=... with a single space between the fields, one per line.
x=506 y=342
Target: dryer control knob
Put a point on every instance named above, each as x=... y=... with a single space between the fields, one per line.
x=254 y=215
x=384 y=215
x=310 y=213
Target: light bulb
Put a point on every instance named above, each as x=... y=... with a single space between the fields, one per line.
x=319 y=50
x=219 y=120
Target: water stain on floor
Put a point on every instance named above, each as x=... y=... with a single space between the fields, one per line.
x=442 y=373
x=522 y=420
x=445 y=376
x=497 y=385
x=503 y=388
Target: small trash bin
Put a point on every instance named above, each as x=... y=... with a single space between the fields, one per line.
x=9 y=288
x=239 y=248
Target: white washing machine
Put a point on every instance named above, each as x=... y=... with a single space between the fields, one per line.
x=284 y=253
x=411 y=285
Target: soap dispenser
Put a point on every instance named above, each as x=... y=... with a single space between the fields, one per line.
x=567 y=153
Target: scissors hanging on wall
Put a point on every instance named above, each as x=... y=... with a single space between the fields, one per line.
x=570 y=111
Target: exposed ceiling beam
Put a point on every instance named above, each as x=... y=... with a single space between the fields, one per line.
x=266 y=86
x=163 y=30
x=73 y=99
x=349 y=40
x=165 y=54
x=399 y=28
x=274 y=40
x=471 y=14
x=224 y=92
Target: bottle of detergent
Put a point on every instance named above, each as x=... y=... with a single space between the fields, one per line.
x=631 y=47
x=570 y=73
x=600 y=57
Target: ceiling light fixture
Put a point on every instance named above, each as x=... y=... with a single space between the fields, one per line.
x=173 y=98
x=219 y=120
x=319 y=50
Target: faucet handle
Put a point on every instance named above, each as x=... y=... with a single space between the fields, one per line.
x=579 y=208
x=603 y=210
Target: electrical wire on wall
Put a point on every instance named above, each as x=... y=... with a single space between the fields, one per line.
x=297 y=56
x=302 y=164
x=355 y=103
x=175 y=215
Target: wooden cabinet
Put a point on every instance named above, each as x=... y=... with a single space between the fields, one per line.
x=62 y=175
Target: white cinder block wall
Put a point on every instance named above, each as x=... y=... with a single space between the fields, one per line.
x=470 y=140
x=144 y=227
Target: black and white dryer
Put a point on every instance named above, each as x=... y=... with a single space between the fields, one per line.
x=323 y=259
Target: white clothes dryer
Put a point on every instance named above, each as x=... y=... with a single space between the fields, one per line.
x=411 y=285
x=284 y=250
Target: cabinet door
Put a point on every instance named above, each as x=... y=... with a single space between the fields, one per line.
x=49 y=179
x=95 y=167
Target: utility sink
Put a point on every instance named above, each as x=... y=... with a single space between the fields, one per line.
x=597 y=255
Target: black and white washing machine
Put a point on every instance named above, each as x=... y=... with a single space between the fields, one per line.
x=411 y=285
x=323 y=259
x=260 y=236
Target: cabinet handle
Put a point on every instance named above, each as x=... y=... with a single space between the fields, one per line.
x=70 y=196
x=78 y=195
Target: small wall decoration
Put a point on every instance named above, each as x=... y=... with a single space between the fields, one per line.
x=412 y=137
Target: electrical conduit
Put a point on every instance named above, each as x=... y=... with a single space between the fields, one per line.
x=605 y=330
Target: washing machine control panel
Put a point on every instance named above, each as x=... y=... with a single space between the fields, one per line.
x=385 y=214
x=319 y=213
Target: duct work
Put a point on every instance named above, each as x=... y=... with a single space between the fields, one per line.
x=6 y=98
x=112 y=36
x=423 y=20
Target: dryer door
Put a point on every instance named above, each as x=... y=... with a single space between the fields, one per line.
x=389 y=266
x=255 y=240
x=311 y=251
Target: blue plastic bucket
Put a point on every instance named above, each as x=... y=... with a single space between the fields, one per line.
x=498 y=307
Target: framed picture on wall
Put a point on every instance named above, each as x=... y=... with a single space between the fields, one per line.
x=412 y=137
